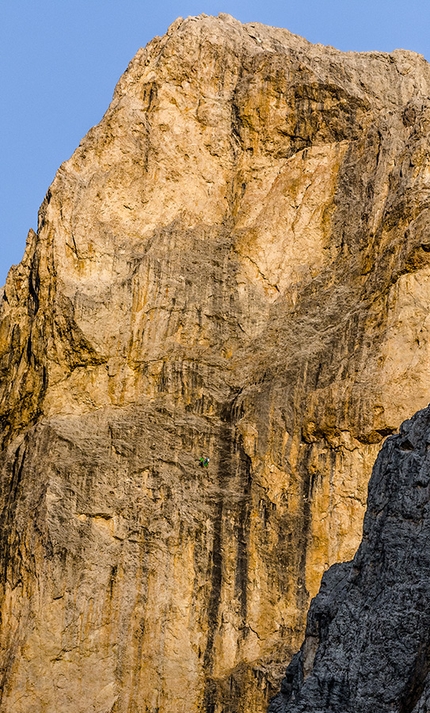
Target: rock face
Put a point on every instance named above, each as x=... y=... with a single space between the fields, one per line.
x=234 y=263
x=367 y=645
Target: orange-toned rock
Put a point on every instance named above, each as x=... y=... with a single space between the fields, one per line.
x=234 y=263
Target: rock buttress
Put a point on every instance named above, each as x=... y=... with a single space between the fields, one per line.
x=367 y=645
x=234 y=263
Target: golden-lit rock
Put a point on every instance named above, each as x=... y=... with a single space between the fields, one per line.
x=234 y=263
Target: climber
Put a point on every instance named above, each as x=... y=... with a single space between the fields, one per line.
x=204 y=462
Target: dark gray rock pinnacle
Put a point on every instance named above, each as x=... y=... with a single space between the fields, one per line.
x=367 y=642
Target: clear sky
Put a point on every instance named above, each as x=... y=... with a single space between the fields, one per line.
x=60 y=61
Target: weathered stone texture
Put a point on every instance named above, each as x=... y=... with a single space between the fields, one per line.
x=367 y=645
x=236 y=263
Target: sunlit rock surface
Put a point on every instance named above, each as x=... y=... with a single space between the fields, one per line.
x=234 y=263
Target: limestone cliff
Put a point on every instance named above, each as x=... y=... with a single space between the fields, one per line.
x=234 y=263
x=367 y=645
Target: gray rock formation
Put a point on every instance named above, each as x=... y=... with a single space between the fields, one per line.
x=367 y=645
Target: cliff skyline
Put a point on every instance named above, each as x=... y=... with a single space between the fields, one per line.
x=59 y=64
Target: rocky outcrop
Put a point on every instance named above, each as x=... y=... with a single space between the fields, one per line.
x=367 y=645
x=234 y=263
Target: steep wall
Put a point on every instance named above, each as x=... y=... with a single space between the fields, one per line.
x=367 y=645
x=234 y=263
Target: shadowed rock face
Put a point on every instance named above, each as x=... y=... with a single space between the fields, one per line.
x=367 y=645
x=234 y=263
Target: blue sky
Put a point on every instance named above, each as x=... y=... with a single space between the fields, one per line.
x=60 y=61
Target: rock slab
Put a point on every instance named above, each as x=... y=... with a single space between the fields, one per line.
x=234 y=263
